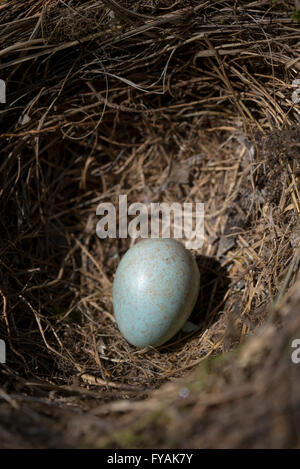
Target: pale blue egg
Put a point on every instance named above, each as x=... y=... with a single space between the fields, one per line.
x=155 y=290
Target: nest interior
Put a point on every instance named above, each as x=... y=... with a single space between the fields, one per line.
x=164 y=102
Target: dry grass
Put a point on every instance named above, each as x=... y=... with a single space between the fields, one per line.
x=162 y=101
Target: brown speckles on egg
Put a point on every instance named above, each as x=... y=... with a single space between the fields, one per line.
x=155 y=289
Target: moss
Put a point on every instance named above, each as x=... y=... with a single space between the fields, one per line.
x=133 y=436
x=296 y=16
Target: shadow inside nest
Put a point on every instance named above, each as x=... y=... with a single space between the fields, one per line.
x=214 y=284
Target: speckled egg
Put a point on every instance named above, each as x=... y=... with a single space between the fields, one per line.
x=155 y=289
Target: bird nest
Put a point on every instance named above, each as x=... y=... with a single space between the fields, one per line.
x=164 y=102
